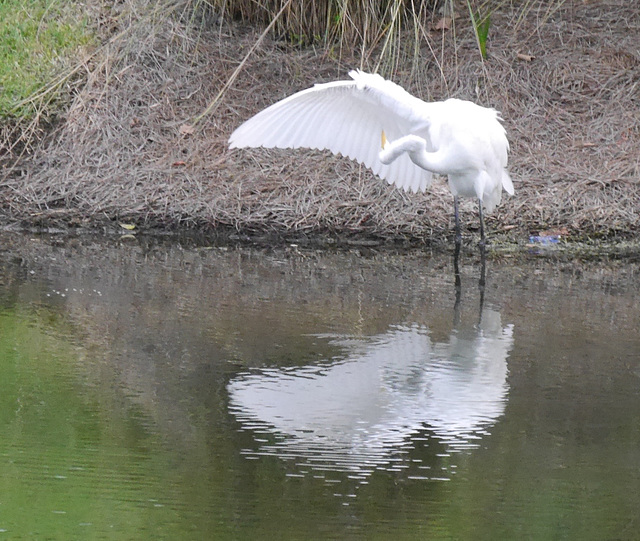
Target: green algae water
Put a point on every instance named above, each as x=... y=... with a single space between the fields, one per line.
x=171 y=391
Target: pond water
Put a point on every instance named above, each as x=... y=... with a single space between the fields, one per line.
x=155 y=390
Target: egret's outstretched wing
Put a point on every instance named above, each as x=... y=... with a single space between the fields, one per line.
x=347 y=118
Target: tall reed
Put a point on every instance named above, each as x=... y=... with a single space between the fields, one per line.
x=357 y=26
x=382 y=32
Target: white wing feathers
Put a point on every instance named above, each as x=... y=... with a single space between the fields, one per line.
x=347 y=118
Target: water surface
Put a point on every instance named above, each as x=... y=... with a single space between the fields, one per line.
x=174 y=391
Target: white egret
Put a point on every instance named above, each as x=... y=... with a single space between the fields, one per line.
x=456 y=138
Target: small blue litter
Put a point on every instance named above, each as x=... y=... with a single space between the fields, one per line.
x=544 y=239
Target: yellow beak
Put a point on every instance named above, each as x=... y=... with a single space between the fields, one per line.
x=383 y=139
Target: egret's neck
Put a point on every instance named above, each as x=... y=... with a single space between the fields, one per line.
x=416 y=148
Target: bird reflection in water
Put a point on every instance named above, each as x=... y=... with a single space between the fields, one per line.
x=357 y=414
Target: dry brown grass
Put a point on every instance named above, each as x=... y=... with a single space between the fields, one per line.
x=123 y=152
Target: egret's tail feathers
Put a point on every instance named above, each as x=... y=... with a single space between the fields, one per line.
x=491 y=202
x=507 y=183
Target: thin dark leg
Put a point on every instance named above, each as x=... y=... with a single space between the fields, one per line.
x=480 y=213
x=483 y=259
x=456 y=217
x=457 y=284
x=483 y=276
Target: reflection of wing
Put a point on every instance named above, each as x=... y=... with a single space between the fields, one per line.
x=358 y=411
x=355 y=405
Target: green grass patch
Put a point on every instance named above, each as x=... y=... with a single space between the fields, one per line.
x=38 y=40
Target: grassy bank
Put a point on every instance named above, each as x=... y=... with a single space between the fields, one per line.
x=129 y=151
x=40 y=41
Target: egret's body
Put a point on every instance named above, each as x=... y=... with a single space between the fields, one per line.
x=456 y=138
